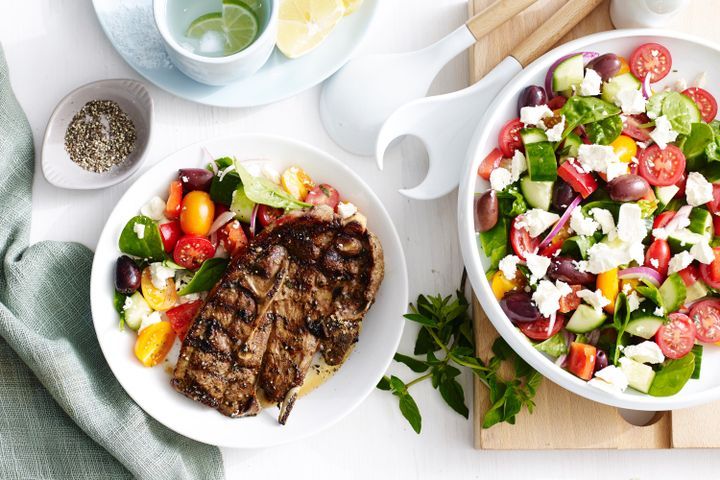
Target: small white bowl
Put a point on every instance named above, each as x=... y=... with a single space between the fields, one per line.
x=132 y=97
x=218 y=70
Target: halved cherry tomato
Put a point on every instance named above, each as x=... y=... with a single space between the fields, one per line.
x=174 y=202
x=296 y=182
x=197 y=213
x=663 y=219
x=154 y=343
x=571 y=301
x=267 y=215
x=625 y=148
x=192 y=250
x=490 y=163
x=689 y=274
x=711 y=273
x=521 y=241
x=677 y=336
x=232 y=237
x=540 y=329
x=705 y=101
x=557 y=102
x=182 y=316
x=581 y=360
x=582 y=182
x=706 y=317
x=714 y=204
x=624 y=67
x=557 y=242
x=662 y=167
x=658 y=256
x=323 y=194
x=681 y=185
x=651 y=59
x=632 y=128
x=509 y=138
x=170 y=233
x=609 y=285
x=159 y=299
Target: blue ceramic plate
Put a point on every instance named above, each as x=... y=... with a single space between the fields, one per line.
x=131 y=29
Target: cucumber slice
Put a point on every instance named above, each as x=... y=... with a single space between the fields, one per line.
x=585 y=319
x=570 y=72
x=572 y=143
x=532 y=135
x=137 y=309
x=241 y=205
x=537 y=194
x=644 y=326
x=639 y=375
x=542 y=165
x=684 y=240
x=696 y=291
x=612 y=87
x=673 y=292
x=577 y=246
x=697 y=350
x=665 y=194
x=701 y=222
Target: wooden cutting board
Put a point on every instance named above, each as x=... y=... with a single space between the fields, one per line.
x=563 y=420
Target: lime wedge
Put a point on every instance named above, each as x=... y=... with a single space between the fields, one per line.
x=237 y=24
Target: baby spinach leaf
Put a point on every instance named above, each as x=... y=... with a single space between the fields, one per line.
x=119 y=304
x=653 y=107
x=148 y=247
x=206 y=277
x=263 y=191
x=673 y=376
x=677 y=110
x=583 y=110
x=605 y=131
x=511 y=203
x=701 y=135
x=494 y=242
x=621 y=317
x=651 y=292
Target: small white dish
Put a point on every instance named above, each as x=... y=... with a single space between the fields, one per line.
x=218 y=70
x=328 y=403
x=132 y=97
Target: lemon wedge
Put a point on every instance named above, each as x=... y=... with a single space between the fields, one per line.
x=305 y=24
x=351 y=6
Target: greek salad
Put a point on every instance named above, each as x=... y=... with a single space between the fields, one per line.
x=177 y=248
x=601 y=219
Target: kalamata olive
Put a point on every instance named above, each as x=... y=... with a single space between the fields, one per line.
x=601 y=360
x=563 y=194
x=532 y=96
x=628 y=188
x=565 y=269
x=607 y=66
x=195 y=179
x=519 y=307
x=127 y=275
x=486 y=211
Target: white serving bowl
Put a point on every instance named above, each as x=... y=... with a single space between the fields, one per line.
x=691 y=56
x=340 y=394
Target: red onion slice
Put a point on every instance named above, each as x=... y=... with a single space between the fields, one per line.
x=560 y=223
x=253 y=220
x=682 y=214
x=587 y=56
x=642 y=273
x=221 y=220
x=646 y=91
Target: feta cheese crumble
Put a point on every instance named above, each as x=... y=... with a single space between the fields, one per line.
x=538 y=265
x=518 y=165
x=590 y=85
x=603 y=256
x=537 y=220
x=633 y=301
x=611 y=379
x=346 y=210
x=595 y=158
x=702 y=252
x=659 y=312
x=160 y=274
x=154 y=209
x=534 y=115
x=631 y=227
x=679 y=261
x=645 y=352
x=500 y=178
x=581 y=224
x=595 y=299
x=631 y=101
x=547 y=296
x=554 y=134
x=139 y=230
x=698 y=190
x=605 y=220
x=663 y=133
x=508 y=266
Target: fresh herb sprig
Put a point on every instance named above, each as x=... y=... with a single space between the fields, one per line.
x=446 y=340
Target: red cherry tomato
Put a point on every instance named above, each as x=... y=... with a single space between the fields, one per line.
x=711 y=273
x=582 y=182
x=509 y=139
x=557 y=102
x=182 y=316
x=490 y=163
x=192 y=250
x=571 y=301
x=540 y=329
x=557 y=242
x=170 y=233
x=651 y=59
x=323 y=194
x=232 y=237
x=689 y=274
x=267 y=215
x=658 y=256
x=714 y=204
x=662 y=167
x=521 y=241
x=677 y=336
x=663 y=219
x=705 y=102
x=581 y=360
x=706 y=317
x=174 y=202
x=632 y=128
x=681 y=185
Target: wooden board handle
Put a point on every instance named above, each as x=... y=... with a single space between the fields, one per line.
x=495 y=15
x=553 y=30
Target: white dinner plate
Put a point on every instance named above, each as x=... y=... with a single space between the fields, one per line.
x=130 y=27
x=331 y=401
x=691 y=56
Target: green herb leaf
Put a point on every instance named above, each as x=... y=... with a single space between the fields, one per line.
x=414 y=364
x=384 y=383
x=452 y=392
x=206 y=277
x=411 y=412
x=263 y=191
x=421 y=319
x=425 y=343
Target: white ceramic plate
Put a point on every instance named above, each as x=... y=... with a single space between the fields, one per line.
x=130 y=27
x=382 y=327
x=691 y=56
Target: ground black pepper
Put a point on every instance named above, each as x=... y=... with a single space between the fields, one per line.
x=100 y=136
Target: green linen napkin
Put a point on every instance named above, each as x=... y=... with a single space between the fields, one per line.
x=62 y=413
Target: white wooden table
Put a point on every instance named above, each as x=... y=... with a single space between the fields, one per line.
x=53 y=46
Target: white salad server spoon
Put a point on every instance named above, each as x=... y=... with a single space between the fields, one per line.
x=356 y=101
x=445 y=123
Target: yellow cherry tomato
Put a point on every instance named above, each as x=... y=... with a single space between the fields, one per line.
x=632 y=282
x=197 y=213
x=160 y=299
x=296 y=182
x=624 y=66
x=501 y=285
x=625 y=148
x=154 y=343
x=609 y=286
